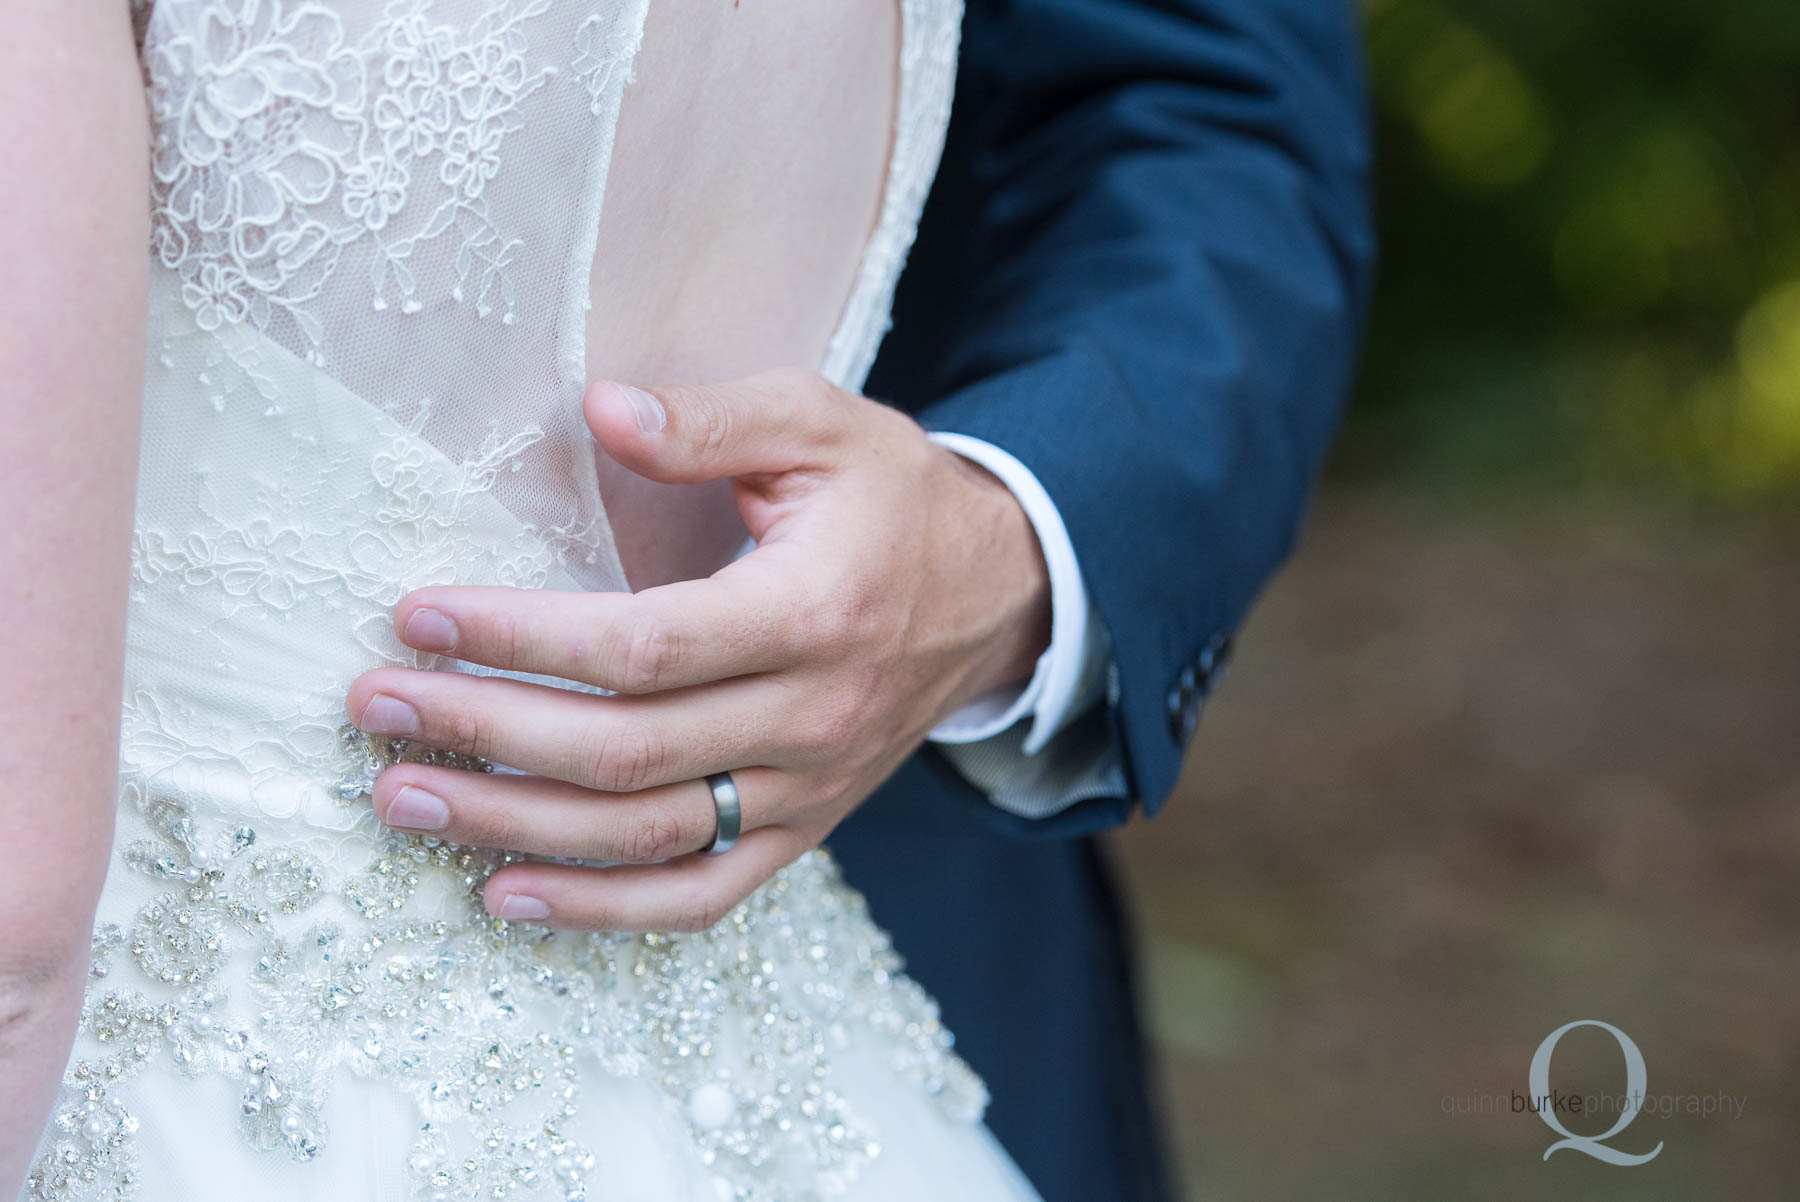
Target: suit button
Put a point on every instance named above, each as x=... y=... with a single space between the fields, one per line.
x=1212 y=660
x=1183 y=705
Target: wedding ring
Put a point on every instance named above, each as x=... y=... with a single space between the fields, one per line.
x=731 y=815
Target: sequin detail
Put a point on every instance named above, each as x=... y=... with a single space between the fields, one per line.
x=238 y=968
x=365 y=359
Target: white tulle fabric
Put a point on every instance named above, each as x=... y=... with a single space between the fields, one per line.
x=373 y=225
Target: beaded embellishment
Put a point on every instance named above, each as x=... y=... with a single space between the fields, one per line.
x=252 y=932
x=480 y=1021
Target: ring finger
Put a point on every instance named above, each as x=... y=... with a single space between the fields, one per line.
x=611 y=744
x=553 y=818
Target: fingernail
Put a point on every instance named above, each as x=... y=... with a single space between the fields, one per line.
x=517 y=906
x=646 y=408
x=430 y=630
x=386 y=715
x=414 y=809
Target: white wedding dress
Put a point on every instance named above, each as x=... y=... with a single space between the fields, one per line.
x=373 y=224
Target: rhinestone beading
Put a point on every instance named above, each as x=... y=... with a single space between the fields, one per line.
x=243 y=966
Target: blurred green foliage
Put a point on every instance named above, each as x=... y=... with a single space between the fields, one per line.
x=1590 y=223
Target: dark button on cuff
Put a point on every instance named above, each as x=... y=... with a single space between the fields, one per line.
x=1193 y=684
x=1212 y=662
x=1184 y=705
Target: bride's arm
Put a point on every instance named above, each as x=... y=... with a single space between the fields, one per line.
x=73 y=239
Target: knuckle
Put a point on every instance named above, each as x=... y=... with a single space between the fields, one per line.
x=493 y=826
x=836 y=788
x=846 y=614
x=647 y=653
x=712 y=430
x=829 y=627
x=461 y=727
x=656 y=836
x=823 y=401
x=862 y=599
x=507 y=639
x=699 y=910
x=624 y=760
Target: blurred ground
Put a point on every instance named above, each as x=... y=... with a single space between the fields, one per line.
x=1479 y=771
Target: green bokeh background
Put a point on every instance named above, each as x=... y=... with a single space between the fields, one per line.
x=1515 y=738
x=1590 y=247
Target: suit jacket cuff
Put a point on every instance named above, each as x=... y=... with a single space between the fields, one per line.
x=1070 y=673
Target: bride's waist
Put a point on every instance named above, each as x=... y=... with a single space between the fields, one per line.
x=270 y=546
x=235 y=677
x=239 y=709
x=236 y=757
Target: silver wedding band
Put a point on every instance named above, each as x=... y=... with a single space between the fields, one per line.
x=731 y=815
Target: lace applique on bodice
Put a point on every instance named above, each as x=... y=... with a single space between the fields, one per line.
x=348 y=268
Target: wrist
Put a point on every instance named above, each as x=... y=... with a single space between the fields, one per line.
x=1009 y=580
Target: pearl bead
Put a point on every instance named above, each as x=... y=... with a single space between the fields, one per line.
x=94 y=1130
x=290 y=1124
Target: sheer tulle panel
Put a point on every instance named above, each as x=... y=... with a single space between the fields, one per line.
x=408 y=195
x=405 y=194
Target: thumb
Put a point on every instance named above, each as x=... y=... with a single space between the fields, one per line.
x=777 y=421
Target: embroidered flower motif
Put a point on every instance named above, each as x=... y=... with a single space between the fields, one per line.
x=375 y=191
x=266 y=928
x=599 y=50
x=280 y=145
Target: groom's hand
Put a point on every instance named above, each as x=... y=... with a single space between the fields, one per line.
x=892 y=582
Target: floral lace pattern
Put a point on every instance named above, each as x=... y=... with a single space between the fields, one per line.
x=279 y=142
x=258 y=562
x=343 y=258
x=282 y=944
x=399 y=192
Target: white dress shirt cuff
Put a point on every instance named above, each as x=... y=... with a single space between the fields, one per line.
x=1070 y=673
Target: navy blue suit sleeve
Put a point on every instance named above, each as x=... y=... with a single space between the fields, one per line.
x=1143 y=271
